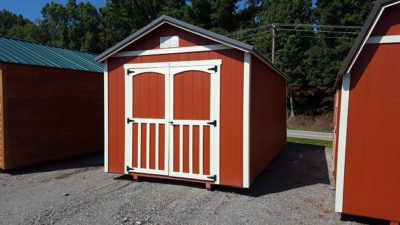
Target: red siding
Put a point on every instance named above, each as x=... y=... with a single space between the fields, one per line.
x=267 y=116
x=50 y=114
x=231 y=102
x=389 y=24
x=372 y=175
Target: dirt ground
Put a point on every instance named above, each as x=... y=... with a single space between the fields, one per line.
x=295 y=189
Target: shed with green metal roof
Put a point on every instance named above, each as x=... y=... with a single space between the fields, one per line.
x=51 y=103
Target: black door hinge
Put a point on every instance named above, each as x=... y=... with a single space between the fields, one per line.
x=215 y=69
x=214 y=178
x=214 y=123
x=129 y=120
x=129 y=169
x=128 y=72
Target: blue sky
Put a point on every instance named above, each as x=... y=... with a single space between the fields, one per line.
x=31 y=8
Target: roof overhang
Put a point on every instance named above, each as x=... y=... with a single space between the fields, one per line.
x=190 y=28
x=372 y=20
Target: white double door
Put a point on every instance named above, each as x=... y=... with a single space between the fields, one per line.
x=172 y=115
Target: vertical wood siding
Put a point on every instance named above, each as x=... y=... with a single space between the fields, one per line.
x=231 y=102
x=51 y=114
x=192 y=102
x=372 y=175
x=267 y=116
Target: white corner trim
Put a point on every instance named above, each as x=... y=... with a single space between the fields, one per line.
x=369 y=34
x=164 y=51
x=342 y=140
x=105 y=79
x=384 y=39
x=246 y=119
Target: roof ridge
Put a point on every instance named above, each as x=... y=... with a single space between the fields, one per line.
x=43 y=44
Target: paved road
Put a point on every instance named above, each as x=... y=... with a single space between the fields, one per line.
x=310 y=135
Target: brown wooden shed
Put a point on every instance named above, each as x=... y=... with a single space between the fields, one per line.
x=367 y=121
x=186 y=103
x=51 y=103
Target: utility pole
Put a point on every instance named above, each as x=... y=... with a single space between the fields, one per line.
x=273 y=43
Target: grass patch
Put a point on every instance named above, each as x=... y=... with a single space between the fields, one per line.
x=309 y=142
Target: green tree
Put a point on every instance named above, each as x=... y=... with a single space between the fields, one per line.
x=290 y=49
x=17 y=26
x=328 y=51
x=121 y=18
x=74 y=26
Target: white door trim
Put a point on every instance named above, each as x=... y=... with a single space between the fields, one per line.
x=204 y=66
x=130 y=72
x=169 y=70
x=164 y=51
x=246 y=119
x=105 y=91
x=173 y=64
x=342 y=140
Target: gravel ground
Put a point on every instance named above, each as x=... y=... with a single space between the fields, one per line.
x=296 y=189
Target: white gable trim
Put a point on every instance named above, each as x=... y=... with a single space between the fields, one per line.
x=165 y=51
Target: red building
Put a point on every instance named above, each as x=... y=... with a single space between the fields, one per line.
x=367 y=105
x=51 y=104
x=186 y=103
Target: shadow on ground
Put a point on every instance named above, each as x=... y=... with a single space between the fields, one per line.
x=93 y=160
x=296 y=166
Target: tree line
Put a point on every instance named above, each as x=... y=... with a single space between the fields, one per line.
x=311 y=41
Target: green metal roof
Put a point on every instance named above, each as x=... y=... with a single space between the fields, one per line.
x=30 y=53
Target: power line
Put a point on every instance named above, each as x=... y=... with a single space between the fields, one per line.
x=320 y=31
x=318 y=25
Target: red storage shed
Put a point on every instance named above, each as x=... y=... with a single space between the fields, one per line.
x=367 y=121
x=51 y=103
x=185 y=103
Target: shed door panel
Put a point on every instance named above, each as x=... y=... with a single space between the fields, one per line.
x=172 y=119
x=192 y=99
x=148 y=130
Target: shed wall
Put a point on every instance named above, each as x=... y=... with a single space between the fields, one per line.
x=231 y=151
x=231 y=139
x=372 y=175
x=51 y=114
x=267 y=116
